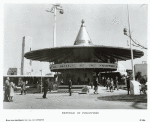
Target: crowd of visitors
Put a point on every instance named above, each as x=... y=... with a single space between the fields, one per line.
x=110 y=83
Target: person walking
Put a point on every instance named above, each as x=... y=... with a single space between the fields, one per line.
x=102 y=81
x=111 y=85
x=107 y=83
x=61 y=82
x=6 y=93
x=129 y=77
x=45 y=85
x=78 y=81
x=70 y=86
x=128 y=84
x=38 y=87
x=50 y=86
x=96 y=86
x=88 y=81
x=116 y=83
x=91 y=84
x=23 y=87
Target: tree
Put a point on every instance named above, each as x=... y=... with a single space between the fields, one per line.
x=138 y=76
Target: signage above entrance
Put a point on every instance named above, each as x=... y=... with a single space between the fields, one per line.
x=83 y=65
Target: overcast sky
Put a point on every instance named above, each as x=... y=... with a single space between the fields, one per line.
x=104 y=24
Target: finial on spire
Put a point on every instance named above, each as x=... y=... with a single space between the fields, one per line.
x=82 y=23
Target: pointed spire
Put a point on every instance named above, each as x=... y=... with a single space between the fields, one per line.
x=83 y=37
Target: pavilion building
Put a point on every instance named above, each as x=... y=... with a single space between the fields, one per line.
x=83 y=61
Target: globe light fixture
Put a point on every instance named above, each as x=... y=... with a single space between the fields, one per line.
x=53 y=10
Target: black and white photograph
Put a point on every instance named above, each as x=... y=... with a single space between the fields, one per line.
x=77 y=58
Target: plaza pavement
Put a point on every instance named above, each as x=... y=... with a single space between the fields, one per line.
x=103 y=100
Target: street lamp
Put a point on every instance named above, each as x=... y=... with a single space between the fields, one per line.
x=53 y=10
x=129 y=35
x=41 y=80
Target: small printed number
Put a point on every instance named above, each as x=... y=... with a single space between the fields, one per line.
x=142 y=119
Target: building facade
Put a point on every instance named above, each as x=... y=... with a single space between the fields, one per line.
x=26 y=64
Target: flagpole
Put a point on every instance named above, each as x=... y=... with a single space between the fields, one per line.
x=41 y=80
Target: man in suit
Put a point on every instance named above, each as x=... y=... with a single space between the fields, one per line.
x=45 y=85
x=128 y=79
x=116 y=83
x=128 y=84
x=6 y=94
x=70 y=86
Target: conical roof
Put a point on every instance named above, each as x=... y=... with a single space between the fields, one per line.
x=83 y=37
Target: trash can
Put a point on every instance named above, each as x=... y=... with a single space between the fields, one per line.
x=135 y=87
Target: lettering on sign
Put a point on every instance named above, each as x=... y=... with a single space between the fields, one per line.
x=92 y=65
x=81 y=65
x=85 y=65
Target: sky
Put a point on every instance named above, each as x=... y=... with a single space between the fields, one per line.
x=104 y=23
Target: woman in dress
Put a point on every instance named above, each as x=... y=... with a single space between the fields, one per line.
x=11 y=91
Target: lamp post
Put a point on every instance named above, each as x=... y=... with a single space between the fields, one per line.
x=41 y=80
x=53 y=10
x=129 y=35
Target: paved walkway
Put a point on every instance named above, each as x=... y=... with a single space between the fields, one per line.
x=103 y=100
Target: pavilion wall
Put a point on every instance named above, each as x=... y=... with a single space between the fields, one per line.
x=78 y=77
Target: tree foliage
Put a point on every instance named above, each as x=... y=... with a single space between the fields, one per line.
x=140 y=78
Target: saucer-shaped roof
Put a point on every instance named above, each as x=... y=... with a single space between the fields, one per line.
x=83 y=49
x=52 y=54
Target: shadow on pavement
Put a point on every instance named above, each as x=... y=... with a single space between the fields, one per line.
x=41 y=98
x=136 y=105
x=5 y=101
x=21 y=94
x=125 y=98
